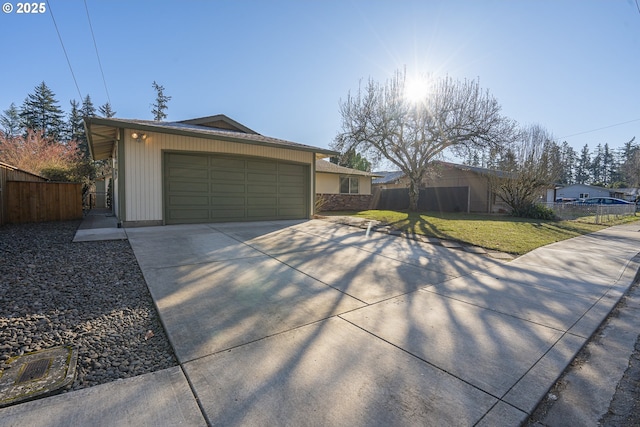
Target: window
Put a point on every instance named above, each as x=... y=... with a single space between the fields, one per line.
x=349 y=185
x=584 y=195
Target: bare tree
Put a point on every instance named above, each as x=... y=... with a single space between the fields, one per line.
x=381 y=121
x=526 y=169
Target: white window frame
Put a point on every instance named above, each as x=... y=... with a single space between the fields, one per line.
x=354 y=184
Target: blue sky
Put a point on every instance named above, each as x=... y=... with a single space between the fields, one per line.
x=282 y=67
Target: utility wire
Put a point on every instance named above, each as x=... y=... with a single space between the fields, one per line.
x=63 y=49
x=95 y=45
x=595 y=130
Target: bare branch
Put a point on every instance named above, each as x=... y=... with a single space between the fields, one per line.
x=381 y=121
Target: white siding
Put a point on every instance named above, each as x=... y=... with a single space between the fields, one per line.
x=143 y=166
x=576 y=190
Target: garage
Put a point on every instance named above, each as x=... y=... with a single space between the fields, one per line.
x=203 y=187
x=208 y=169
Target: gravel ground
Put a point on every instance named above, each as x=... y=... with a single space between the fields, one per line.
x=89 y=295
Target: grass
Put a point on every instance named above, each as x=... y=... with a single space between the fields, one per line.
x=496 y=232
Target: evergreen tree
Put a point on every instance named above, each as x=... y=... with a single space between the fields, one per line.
x=628 y=149
x=88 y=110
x=484 y=162
x=475 y=160
x=10 y=122
x=583 y=166
x=75 y=125
x=493 y=154
x=596 y=166
x=352 y=159
x=160 y=106
x=608 y=165
x=106 y=111
x=632 y=167
x=629 y=164
x=551 y=159
x=626 y=160
x=617 y=176
x=569 y=159
x=507 y=161
x=41 y=112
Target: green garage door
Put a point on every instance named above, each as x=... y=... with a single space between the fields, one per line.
x=214 y=188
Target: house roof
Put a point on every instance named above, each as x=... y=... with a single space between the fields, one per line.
x=387 y=177
x=593 y=187
x=628 y=191
x=219 y=121
x=104 y=132
x=475 y=169
x=328 y=167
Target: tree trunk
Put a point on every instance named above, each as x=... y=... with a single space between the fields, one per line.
x=414 y=194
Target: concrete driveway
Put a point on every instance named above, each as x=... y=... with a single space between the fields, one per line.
x=313 y=323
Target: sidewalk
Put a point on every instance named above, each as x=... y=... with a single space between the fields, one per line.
x=583 y=395
x=314 y=323
x=99 y=224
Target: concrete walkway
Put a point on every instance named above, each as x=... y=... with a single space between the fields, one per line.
x=99 y=224
x=314 y=323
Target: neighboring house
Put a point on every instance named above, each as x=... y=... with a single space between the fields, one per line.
x=393 y=179
x=341 y=188
x=580 y=191
x=449 y=187
x=630 y=194
x=210 y=169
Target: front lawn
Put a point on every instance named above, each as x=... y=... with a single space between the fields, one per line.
x=497 y=232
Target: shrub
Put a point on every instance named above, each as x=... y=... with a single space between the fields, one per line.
x=535 y=211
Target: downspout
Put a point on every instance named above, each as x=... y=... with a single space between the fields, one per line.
x=122 y=208
x=313 y=186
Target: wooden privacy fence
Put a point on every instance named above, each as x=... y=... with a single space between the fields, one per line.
x=433 y=199
x=43 y=201
x=12 y=173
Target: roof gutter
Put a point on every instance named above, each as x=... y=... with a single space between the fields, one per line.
x=99 y=121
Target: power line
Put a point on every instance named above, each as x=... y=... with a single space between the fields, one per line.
x=595 y=130
x=95 y=45
x=63 y=48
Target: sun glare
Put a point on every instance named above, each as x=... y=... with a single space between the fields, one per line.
x=416 y=89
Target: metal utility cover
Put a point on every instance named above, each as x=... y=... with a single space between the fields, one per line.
x=34 y=370
x=37 y=374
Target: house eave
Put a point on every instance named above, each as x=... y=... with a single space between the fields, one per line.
x=106 y=138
